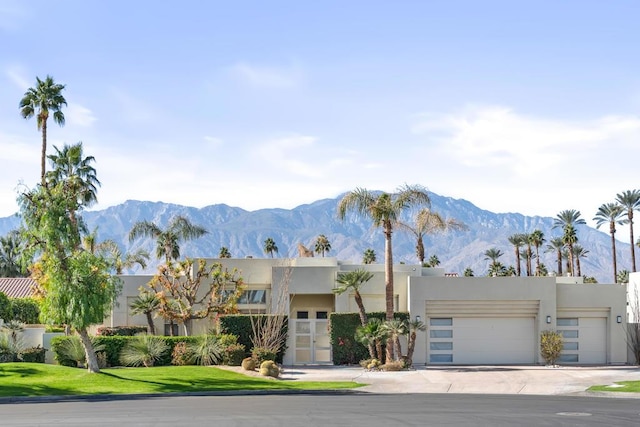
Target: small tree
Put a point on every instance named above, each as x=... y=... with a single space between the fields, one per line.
x=551 y=344
x=270 y=247
x=413 y=326
x=369 y=256
x=224 y=252
x=322 y=245
x=352 y=281
x=187 y=293
x=146 y=303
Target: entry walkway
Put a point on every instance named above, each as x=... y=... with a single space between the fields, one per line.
x=472 y=379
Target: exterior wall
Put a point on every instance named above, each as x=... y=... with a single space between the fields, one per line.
x=595 y=300
x=120 y=314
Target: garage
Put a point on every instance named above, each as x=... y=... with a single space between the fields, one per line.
x=585 y=339
x=486 y=332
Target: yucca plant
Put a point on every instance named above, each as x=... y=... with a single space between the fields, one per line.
x=7 y=353
x=143 y=350
x=207 y=350
x=72 y=349
x=13 y=330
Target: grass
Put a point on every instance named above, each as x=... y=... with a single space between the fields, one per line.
x=37 y=379
x=623 y=386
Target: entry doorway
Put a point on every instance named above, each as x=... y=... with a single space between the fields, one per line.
x=312 y=342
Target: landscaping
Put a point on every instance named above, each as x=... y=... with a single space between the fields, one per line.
x=622 y=386
x=33 y=379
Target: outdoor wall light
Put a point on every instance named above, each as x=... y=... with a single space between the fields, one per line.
x=419 y=319
x=548 y=319
x=619 y=319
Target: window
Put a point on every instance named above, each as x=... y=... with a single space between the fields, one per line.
x=570 y=345
x=321 y=315
x=569 y=334
x=168 y=327
x=568 y=358
x=441 y=358
x=441 y=333
x=441 y=321
x=567 y=322
x=302 y=315
x=255 y=296
x=441 y=346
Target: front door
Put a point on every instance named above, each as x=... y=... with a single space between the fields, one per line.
x=312 y=342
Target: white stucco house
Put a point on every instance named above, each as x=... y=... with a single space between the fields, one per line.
x=470 y=320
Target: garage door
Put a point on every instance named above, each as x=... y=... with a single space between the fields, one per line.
x=585 y=339
x=482 y=340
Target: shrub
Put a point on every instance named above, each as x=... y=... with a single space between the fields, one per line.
x=240 y=326
x=143 y=350
x=6 y=312
x=370 y=364
x=180 y=354
x=248 y=364
x=207 y=350
x=396 y=365
x=122 y=331
x=233 y=355
x=69 y=351
x=551 y=344
x=25 y=310
x=33 y=354
x=260 y=354
x=268 y=368
x=8 y=352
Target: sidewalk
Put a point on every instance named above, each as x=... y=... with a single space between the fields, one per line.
x=539 y=380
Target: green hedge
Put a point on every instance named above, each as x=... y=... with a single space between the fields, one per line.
x=33 y=354
x=25 y=310
x=6 y=313
x=346 y=351
x=122 y=331
x=240 y=326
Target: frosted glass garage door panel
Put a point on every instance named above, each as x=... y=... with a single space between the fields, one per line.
x=593 y=340
x=493 y=341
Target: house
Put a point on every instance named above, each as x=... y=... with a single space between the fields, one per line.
x=17 y=287
x=470 y=320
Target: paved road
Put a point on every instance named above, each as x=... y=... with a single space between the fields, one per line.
x=349 y=409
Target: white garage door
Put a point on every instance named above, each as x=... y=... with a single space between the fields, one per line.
x=482 y=340
x=585 y=339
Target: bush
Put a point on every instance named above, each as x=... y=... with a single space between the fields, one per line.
x=143 y=350
x=6 y=312
x=248 y=364
x=346 y=350
x=180 y=354
x=33 y=354
x=69 y=351
x=25 y=310
x=122 y=331
x=260 y=355
x=551 y=344
x=233 y=355
x=268 y=368
x=396 y=365
x=206 y=351
x=240 y=326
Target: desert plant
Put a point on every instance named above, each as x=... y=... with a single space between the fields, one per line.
x=233 y=354
x=7 y=354
x=143 y=350
x=206 y=351
x=72 y=349
x=13 y=330
x=261 y=354
x=396 y=365
x=180 y=355
x=33 y=354
x=248 y=364
x=269 y=368
x=551 y=344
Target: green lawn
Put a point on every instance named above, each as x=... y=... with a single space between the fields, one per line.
x=36 y=379
x=627 y=386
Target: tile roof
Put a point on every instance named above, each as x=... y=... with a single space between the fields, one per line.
x=17 y=287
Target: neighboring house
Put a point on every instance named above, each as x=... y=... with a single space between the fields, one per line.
x=17 y=287
x=470 y=320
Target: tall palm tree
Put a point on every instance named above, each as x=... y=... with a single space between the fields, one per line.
x=568 y=220
x=517 y=240
x=146 y=303
x=119 y=261
x=630 y=200
x=269 y=247
x=369 y=256
x=537 y=239
x=384 y=210
x=353 y=281
x=224 y=252
x=429 y=222
x=168 y=240
x=69 y=166
x=41 y=100
x=611 y=213
x=12 y=249
x=395 y=329
x=570 y=238
x=556 y=245
x=579 y=252
x=493 y=254
x=322 y=245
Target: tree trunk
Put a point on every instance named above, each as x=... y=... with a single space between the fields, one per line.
x=518 y=262
x=90 y=354
x=613 y=250
x=44 y=151
x=396 y=340
x=579 y=270
x=388 y=277
x=187 y=327
x=152 y=327
x=411 y=345
x=633 y=251
x=363 y=314
x=529 y=254
x=559 y=262
x=571 y=260
x=537 y=261
x=420 y=250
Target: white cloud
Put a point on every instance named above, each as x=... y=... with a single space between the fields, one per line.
x=267 y=77
x=79 y=115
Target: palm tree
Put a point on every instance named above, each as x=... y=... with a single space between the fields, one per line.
x=70 y=167
x=322 y=245
x=45 y=98
x=433 y=261
x=568 y=220
x=269 y=247
x=623 y=276
x=414 y=326
x=224 y=252
x=373 y=334
x=12 y=248
x=369 y=256
x=517 y=240
x=493 y=254
x=120 y=263
x=556 y=245
x=167 y=240
x=384 y=210
x=579 y=252
x=352 y=281
x=146 y=303
x=429 y=222
x=630 y=200
x=611 y=213
x=537 y=239
x=395 y=329
x=468 y=272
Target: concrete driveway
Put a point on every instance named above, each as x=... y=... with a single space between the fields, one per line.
x=473 y=379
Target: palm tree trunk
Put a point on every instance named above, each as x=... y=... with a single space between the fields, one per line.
x=578 y=266
x=361 y=309
x=571 y=260
x=420 y=249
x=613 y=250
x=411 y=345
x=529 y=254
x=633 y=251
x=560 y=262
x=90 y=354
x=388 y=277
x=537 y=260
x=152 y=327
x=43 y=155
x=518 y=261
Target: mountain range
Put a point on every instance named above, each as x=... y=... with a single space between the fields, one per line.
x=243 y=233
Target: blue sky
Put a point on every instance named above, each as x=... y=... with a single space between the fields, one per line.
x=516 y=106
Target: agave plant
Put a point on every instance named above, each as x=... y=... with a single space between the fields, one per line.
x=72 y=349
x=206 y=351
x=143 y=350
x=13 y=330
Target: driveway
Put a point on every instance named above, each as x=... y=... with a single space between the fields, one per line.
x=538 y=380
